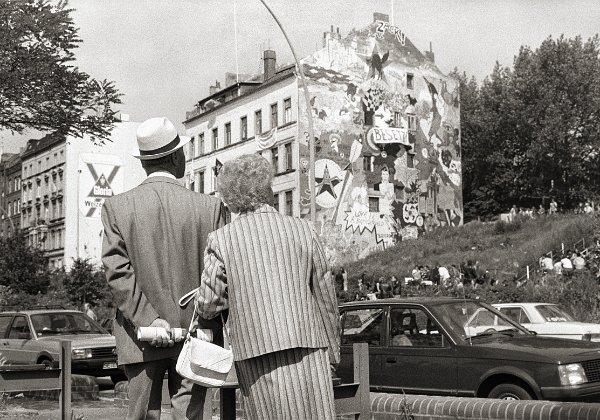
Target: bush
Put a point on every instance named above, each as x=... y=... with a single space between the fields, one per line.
x=504 y=227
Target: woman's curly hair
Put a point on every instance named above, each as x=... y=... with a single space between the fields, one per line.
x=244 y=183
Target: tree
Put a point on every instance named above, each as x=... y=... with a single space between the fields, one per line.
x=533 y=132
x=23 y=268
x=39 y=86
x=85 y=283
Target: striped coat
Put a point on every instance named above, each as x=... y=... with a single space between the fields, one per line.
x=270 y=271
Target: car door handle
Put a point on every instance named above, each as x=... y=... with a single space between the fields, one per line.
x=391 y=360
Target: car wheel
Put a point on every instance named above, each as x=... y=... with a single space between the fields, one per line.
x=118 y=378
x=48 y=364
x=509 y=392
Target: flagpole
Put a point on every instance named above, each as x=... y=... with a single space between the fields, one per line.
x=311 y=136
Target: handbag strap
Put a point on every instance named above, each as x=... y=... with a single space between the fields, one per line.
x=185 y=299
x=183 y=302
x=226 y=341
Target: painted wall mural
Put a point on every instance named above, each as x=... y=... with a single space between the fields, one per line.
x=388 y=163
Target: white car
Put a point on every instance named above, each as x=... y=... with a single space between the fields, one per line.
x=549 y=320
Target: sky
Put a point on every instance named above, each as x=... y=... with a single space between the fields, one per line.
x=164 y=54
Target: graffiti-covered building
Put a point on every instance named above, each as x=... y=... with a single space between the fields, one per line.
x=386 y=124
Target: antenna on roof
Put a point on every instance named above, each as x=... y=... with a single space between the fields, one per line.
x=237 y=66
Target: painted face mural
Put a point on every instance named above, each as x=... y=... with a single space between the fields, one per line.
x=388 y=154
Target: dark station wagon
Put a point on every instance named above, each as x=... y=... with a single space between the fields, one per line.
x=447 y=346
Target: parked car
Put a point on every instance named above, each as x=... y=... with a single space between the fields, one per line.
x=107 y=324
x=448 y=346
x=33 y=337
x=549 y=320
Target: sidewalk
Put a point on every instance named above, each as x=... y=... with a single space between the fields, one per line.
x=104 y=409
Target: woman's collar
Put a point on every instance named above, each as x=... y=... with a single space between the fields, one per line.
x=265 y=208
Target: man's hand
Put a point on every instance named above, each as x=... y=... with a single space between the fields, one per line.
x=162 y=340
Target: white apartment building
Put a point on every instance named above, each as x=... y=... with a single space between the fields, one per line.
x=65 y=183
x=256 y=116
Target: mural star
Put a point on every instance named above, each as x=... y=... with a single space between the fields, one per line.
x=327 y=182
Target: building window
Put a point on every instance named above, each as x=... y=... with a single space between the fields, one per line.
x=289 y=157
x=368 y=163
x=412 y=123
x=192 y=148
x=374 y=204
x=410 y=160
x=258 y=122
x=215 y=139
x=397 y=119
x=19 y=205
x=274 y=115
x=410 y=80
x=9 y=209
x=244 y=128
x=289 y=203
x=287 y=110
x=200 y=148
x=200 y=182
x=227 y=134
x=276 y=201
x=275 y=159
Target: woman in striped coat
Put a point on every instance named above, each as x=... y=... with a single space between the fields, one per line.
x=270 y=271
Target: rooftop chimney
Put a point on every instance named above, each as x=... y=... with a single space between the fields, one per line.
x=214 y=89
x=270 y=62
x=381 y=16
x=429 y=55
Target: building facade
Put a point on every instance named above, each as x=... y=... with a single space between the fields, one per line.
x=387 y=139
x=65 y=183
x=10 y=194
x=258 y=116
x=387 y=128
x=43 y=201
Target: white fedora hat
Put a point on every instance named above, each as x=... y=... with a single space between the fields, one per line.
x=157 y=137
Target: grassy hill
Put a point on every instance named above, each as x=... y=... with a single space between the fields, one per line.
x=502 y=248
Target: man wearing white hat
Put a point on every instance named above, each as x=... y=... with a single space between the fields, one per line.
x=154 y=240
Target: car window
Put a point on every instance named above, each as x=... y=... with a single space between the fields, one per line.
x=516 y=314
x=4 y=323
x=553 y=313
x=414 y=327
x=19 y=329
x=63 y=324
x=362 y=326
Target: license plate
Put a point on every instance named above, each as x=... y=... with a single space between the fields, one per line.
x=109 y=365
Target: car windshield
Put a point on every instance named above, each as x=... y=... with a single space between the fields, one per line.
x=472 y=319
x=553 y=313
x=64 y=323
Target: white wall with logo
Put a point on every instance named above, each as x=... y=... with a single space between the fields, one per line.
x=93 y=173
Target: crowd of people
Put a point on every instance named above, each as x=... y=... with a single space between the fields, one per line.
x=587 y=207
x=468 y=273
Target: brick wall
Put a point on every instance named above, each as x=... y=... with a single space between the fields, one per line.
x=83 y=387
x=390 y=407
x=400 y=407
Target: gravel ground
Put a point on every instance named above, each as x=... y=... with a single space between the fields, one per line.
x=48 y=410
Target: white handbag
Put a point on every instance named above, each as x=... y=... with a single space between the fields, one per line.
x=205 y=363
